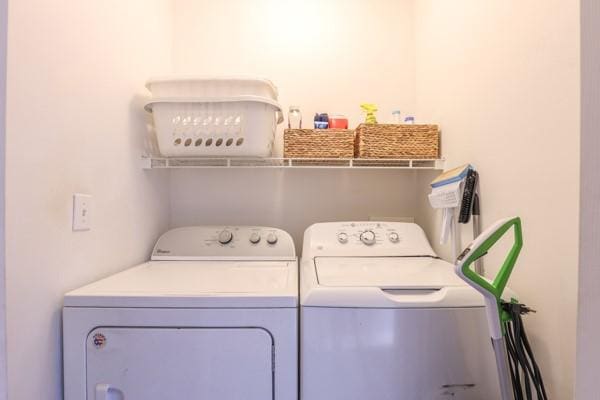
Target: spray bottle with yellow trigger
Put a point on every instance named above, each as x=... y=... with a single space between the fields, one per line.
x=370 y=110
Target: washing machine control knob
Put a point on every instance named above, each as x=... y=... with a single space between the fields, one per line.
x=225 y=237
x=394 y=238
x=342 y=237
x=368 y=238
x=271 y=238
x=254 y=238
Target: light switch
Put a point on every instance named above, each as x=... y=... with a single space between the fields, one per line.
x=82 y=206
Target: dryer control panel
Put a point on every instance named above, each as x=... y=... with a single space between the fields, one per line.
x=224 y=243
x=366 y=239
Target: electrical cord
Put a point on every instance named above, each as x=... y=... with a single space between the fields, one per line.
x=524 y=370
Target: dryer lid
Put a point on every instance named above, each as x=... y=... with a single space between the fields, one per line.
x=193 y=284
x=386 y=272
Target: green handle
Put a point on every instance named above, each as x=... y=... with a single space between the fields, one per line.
x=496 y=287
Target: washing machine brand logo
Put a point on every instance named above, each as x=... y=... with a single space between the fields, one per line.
x=161 y=251
x=99 y=340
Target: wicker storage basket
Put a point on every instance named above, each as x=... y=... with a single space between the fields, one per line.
x=318 y=143
x=397 y=141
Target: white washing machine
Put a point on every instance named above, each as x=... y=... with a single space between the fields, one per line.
x=213 y=315
x=382 y=317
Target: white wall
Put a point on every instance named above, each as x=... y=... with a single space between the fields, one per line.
x=74 y=125
x=292 y=199
x=326 y=56
x=3 y=20
x=588 y=349
x=323 y=56
x=502 y=79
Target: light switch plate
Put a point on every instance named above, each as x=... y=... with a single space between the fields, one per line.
x=82 y=212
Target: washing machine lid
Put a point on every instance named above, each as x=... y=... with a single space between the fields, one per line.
x=194 y=284
x=386 y=272
x=387 y=282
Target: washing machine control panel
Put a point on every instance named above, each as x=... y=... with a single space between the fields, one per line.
x=366 y=239
x=224 y=242
x=368 y=234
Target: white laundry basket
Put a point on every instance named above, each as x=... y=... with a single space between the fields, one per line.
x=242 y=126
x=202 y=87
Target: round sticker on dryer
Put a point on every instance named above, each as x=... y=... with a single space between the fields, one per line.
x=99 y=340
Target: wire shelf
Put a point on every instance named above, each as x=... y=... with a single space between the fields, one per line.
x=327 y=163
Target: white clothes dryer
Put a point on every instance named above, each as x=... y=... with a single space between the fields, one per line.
x=382 y=317
x=213 y=315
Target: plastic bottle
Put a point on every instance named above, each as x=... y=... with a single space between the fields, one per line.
x=294 y=118
x=396 y=118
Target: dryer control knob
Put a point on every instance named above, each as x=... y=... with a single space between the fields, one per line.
x=394 y=238
x=272 y=238
x=225 y=237
x=254 y=238
x=368 y=238
x=343 y=237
